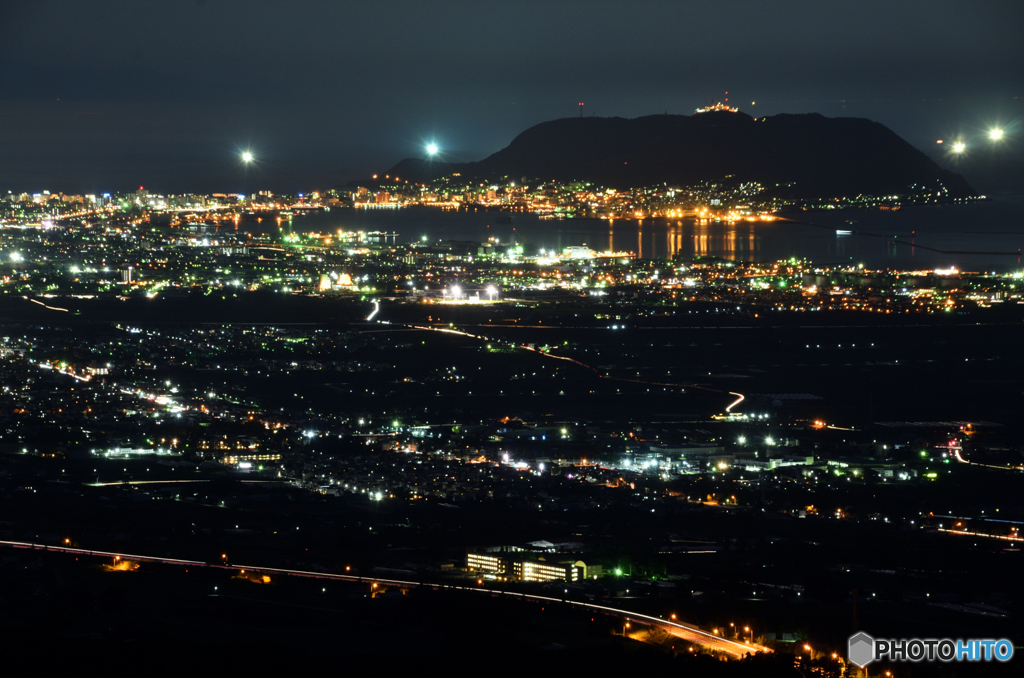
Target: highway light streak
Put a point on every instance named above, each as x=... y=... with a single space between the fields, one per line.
x=145 y=482
x=48 y=366
x=376 y=310
x=52 y=308
x=687 y=631
x=959 y=458
x=1004 y=537
x=545 y=354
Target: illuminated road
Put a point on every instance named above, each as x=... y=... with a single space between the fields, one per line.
x=959 y=458
x=687 y=632
x=449 y=330
x=739 y=399
x=376 y=309
x=1004 y=537
x=52 y=308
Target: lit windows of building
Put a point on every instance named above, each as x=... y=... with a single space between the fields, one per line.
x=526 y=569
x=482 y=562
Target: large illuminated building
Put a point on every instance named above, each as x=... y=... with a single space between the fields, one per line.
x=527 y=568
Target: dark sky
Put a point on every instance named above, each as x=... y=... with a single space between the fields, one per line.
x=106 y=95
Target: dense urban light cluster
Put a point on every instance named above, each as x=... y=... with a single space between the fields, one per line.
x=210 y=353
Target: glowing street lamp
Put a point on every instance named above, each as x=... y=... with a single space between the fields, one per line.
x=959 y=147
x=491 y=291
x=456 y=291
x=995 y=134
x=247 y=157
x=432 y=149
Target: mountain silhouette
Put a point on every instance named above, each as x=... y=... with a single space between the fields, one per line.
x=797 y=156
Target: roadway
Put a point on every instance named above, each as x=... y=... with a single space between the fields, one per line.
x=400 y=326
x=688 y=632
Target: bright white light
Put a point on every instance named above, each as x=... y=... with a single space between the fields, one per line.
x=432 y=149
x=456 y=291
x=959 y=147
x=16 y=256
x=995 y=134
x=247 y=157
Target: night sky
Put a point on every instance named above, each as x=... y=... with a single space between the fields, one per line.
x=110 y=95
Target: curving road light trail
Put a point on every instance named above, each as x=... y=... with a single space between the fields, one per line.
x=739 y=399
x=463 y=333
x=688 y=632
x=376 y=310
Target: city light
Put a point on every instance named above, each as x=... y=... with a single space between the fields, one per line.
x=241 y=365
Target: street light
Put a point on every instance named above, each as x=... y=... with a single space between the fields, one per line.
x=995 y=134
x=491 y=291
x=432 y=149
x=247 y=157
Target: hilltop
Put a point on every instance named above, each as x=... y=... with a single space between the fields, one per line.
x=806 y=156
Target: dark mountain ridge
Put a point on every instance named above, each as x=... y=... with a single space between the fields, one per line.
x=807 y=155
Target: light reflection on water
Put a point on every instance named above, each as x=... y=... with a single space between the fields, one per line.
x=983 y=236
